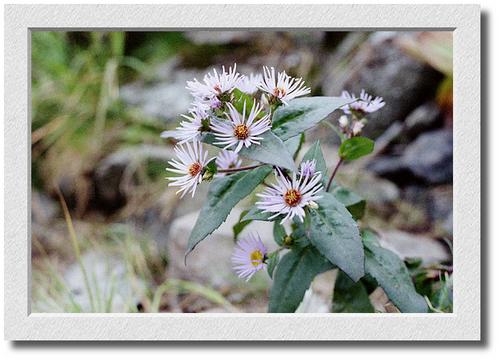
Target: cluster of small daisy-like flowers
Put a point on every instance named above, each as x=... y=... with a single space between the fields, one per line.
x=354 y=118
x=213 y=111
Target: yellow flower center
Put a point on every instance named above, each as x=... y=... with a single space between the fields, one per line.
x=292 y=197
x=256 y=257
x=194 y=169
x=241 y=132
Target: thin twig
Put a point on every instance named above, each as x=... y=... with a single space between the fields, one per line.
x=333 y=173
x=239 y=169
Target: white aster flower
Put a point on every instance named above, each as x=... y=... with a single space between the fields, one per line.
x=249 y=84
x=190 y=165
x=364 y=104
x=308 y=168
x=248 y=256
x=284 y=87
x=240 y=131
x=189 y=130
x=343 y=122
x=227 y=159
x=357 y=127
x=214 y=84
x=289 y=196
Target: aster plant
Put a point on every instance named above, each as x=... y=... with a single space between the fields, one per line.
x=257 y=123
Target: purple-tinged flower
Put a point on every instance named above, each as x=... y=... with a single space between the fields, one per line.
x=190 y=165
x=227 y=159
x=189 y=130
x=248 y=257
x=308 y=168
x=240 y=130
x=249 y=84
x=289 y=196
x=215 y=84
x=364 y=104
x=282 y=87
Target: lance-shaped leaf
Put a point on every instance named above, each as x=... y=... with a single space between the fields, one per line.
x=294 y=144
x=335 y=234
x=256 y=214
x=392 y=275
x=303 y=113
x=352 y=201
x=271 y=150
x=223 y=195
x=315 y=153
x=350 y=296
x=356 y=147
x=293 y=276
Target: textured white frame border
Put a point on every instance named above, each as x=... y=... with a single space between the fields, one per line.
x=463 y=324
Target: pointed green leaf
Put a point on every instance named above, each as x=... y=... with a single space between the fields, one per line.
x=294 y=144
x=350 y=296
x=303 y=113
x=273 y=260
x=315 y=153
x=223 y=195
x=335 y=234
x=392 y=275
x=356 y=147
x=271 y=150
x=240 y=225
x=256 y=214
x=279 y=233
x=352 y=201
x=293 y=276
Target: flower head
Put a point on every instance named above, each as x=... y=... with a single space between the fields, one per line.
x=289 y=196
x=249 y=84
x=190 y=165
x=308 y=168
x=284 y=88
x=248 y=256
x=240 y=130
x=189 y=130
x=357 y=127
x=227 y=159
x=364 y=104
x=214 y=84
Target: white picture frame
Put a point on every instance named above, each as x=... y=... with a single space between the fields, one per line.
x=463 y=324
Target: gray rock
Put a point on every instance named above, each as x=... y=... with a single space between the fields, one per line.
x=115 y=172
x=407 y=245
x=113 y=288
x=423 y=118
x=166 y=96
x=430 y=157
x=381 y=68
x=428 y=160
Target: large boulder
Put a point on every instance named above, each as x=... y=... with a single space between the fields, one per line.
x=382 y=68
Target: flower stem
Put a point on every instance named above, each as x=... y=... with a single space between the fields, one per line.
x=333 y=173
x=239 y=169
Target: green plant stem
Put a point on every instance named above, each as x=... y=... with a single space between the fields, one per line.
x=333 y=173
x=239 y=169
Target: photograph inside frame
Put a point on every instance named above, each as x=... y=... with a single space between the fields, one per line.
x=242 y=172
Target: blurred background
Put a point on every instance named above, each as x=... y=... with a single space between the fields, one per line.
x=108 y=235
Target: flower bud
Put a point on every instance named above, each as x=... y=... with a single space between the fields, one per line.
x=343 y=121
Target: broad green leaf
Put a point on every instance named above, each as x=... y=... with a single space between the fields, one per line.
x=335 y=234
x=271 y=150
x=315 y=153
x=350 y=296
x=294 y=144
x=223 y=195
x=240 y=98
x=256 y=214
x=293 y=276
x=355 y=147
x=392 y=275
x=279 y=233
x=352 y=201
x=273 y=260
x=240 y=225
x=303 y=113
